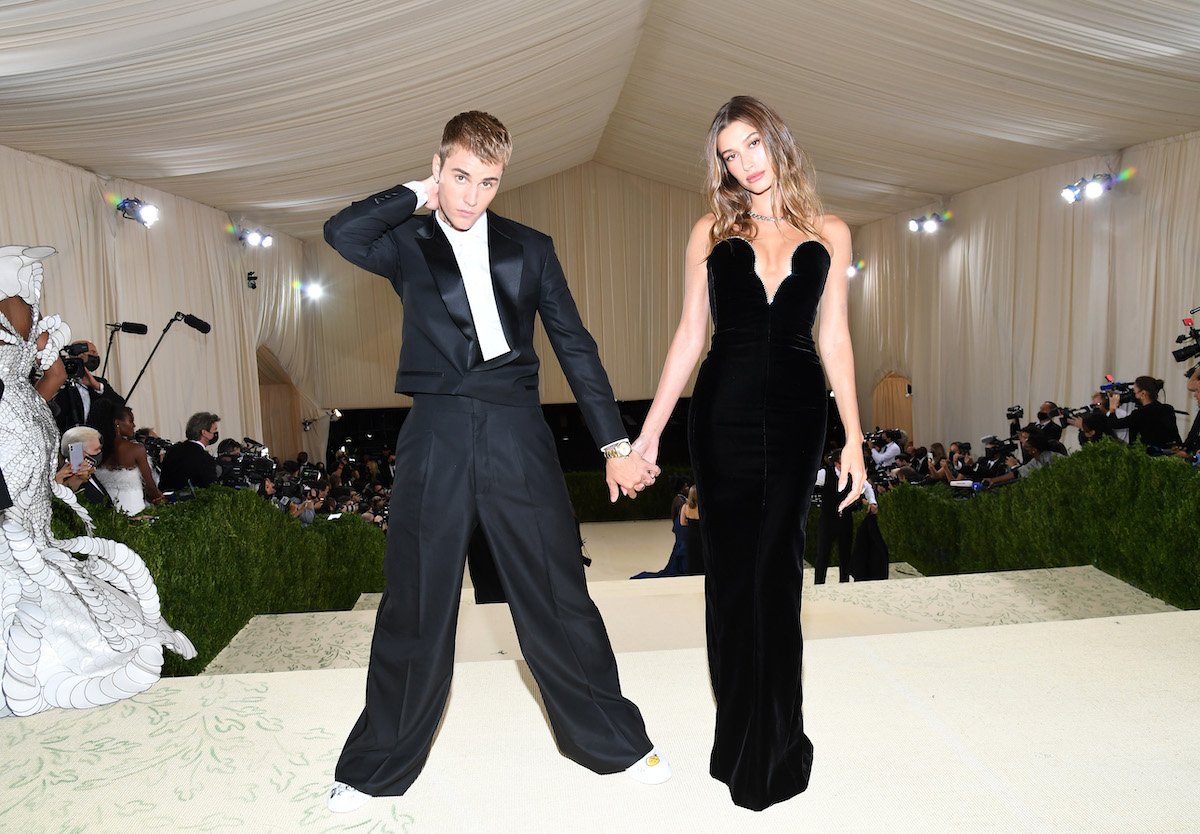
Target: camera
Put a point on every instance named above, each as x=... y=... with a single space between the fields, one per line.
x=247 y=469
x=994 y=447
x=74 y=366
x=1124 y=389
x=1014 y=412
x=1186 y=352
x=156 y=447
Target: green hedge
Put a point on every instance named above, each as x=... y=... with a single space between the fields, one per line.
x=228 y=555
x=589 y=497
x=1109 y=505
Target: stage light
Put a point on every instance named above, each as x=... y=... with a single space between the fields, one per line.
x=133 y=208
x=253 y=237
x=314 y=291
x=1098 y=185
x=1093 y=187
x=929 y=223
x=307 y=424
x=1073 y=193
x=854 y=268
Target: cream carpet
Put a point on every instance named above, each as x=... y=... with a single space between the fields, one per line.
x=1077 y=726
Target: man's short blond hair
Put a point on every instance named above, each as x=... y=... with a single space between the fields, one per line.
x=479 y=133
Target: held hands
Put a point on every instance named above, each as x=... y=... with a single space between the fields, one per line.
x=647 y=448
x=629 y=475
x=854 y=472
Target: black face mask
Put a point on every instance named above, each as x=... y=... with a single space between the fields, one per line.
x=216 y=436
x=1043 y=416
x=92 y=363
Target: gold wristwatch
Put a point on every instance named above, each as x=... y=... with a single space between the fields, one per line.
x=620 y=449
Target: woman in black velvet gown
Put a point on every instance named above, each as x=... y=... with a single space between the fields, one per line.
x=762 y=262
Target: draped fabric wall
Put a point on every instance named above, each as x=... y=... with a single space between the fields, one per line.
x=620 y=239
x=1023 y=298
x=109 y=269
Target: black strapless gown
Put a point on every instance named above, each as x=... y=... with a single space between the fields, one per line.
x=757 y=432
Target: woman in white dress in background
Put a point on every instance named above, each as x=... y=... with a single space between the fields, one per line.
x=124 y=469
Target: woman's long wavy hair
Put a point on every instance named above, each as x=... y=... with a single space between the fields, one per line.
x=794 y=196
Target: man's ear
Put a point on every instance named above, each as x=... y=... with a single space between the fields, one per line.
x=437 y=167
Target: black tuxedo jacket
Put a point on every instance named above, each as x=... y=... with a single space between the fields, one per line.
x=186 y=463
x=439 y=352
x=68 y=404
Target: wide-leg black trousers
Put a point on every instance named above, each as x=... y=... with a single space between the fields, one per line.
x=462 y=462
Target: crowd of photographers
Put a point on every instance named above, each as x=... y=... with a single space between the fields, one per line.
x=1121 y=412
x=111 y=460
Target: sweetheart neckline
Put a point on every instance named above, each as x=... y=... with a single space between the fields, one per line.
x=770 y=297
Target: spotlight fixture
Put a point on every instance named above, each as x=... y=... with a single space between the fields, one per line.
x=928 y=223
x=255 y=238
x=251 y=280
x=335 y=414
x=314 y=291
x=134 y=208
x=307 y=424
x=1073 y=193
x=1095 y=187
x=1099 y=184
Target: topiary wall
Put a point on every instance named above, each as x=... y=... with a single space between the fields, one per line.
x=1131 y=515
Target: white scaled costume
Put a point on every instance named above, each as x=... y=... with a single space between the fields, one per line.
x=79 y=619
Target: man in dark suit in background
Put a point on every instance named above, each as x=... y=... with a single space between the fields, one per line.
x=73 y=403
x=476 y=451
x=189 y=463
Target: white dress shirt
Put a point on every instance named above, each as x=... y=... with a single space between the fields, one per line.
x=474 y=262
x=887 y=456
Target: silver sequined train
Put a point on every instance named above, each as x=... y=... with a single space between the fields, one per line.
x=80 y=623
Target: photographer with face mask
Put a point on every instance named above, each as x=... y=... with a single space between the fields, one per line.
x=189 y=463
x=1152 y=422
x=72 y=405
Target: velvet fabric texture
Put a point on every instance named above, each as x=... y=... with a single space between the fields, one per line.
x=756 y=432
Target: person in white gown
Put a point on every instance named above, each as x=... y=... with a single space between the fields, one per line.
x=80 y=623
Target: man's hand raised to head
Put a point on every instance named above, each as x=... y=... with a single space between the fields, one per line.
x=629 y=475
x=431 y=192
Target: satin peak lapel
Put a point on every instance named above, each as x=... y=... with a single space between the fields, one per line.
x=439 y=256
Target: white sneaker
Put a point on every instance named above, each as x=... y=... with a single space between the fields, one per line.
x=651 y=769
x=343 y=798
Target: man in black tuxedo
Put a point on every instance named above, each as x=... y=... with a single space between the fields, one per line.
x=476 y=451
x=73 y=403
x=188 y=464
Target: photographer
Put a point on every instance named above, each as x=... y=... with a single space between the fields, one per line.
x=1093 y=426
x=884 y=449
x=1039 y=451
x=1046 y=414
x=993 y=465
x=1152 y=422
x=189 y=463
x=962 y=465
x=73 y=402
